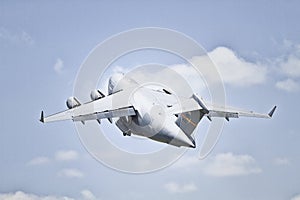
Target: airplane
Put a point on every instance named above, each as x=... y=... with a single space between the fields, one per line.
x=157 y=114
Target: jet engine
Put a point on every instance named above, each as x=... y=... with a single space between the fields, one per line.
x=72 y=102
x=96 y=94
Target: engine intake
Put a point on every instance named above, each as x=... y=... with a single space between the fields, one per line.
x=96 y=94
x=72 y=102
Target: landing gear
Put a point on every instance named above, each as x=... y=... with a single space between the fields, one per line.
x=127 y=133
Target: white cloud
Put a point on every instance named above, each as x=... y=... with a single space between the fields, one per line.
x=291 y=66
x=297 y=197
x=282 y=161
x=171 y=77
x=187 y=162
x=228 y=164
x=288 y=85
x=235 y=70
x=87 y=195
x=58 y=66
x=70 y=173
x=66 y=155
x=221 y=165
x=174 y=187
x=16 y=37
x=39 y=161
x=26 y=38
x=191 y=76
x=19 y=195
x=62 y=155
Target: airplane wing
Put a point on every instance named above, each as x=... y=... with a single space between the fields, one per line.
x=196 y=103
x=236 y=113
x=114 y=105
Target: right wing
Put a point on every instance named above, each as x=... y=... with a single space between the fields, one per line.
x=114 y=105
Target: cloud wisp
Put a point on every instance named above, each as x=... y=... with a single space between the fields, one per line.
x=26 y=196
x=282 y=161
x=61 y=155
x=228 y=164
x=58 y=66
x=289 y=67
x=18 y=195
x=41 y=160
x=175 y=188
x=288 y=85
x=21 y=37
x=87 y=195
x=221 y=165
x=297 y=197
x=70 y=173
x=66 y=155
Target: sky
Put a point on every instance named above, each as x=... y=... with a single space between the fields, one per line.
x=256 y=46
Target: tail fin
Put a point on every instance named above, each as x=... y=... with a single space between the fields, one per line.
x=272 y=111
x=42 y=117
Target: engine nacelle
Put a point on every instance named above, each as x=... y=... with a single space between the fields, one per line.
x=96 y=94
x=72 y=102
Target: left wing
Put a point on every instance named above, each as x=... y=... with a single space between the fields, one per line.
x=196 y=103
x=114 y=105
x=236 y=113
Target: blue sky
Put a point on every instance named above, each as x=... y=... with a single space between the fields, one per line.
x=42 y=45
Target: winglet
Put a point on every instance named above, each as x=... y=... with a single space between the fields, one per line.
x=272 y=111
x=42 y=117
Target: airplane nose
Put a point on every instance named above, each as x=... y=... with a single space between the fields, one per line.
x=194 y=144
x=179 y=138
x=184 y=140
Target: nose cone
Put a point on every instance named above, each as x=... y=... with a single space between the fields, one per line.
x=183 y=140
x=179 y=138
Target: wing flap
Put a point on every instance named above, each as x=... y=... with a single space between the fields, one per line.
x=106 y=114
x=224 y=114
